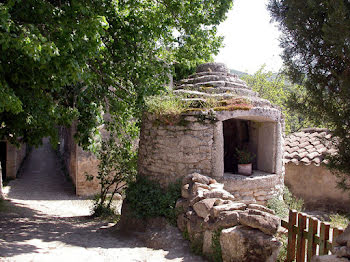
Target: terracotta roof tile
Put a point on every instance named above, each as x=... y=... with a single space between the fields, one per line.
x=308 y=146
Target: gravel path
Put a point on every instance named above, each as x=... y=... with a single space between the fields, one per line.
x=44 y=221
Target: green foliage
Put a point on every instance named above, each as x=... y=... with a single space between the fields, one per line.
x=282 y=206
x=339 y=220
x=147 y=199
x=117 y=157
x=244 y=156
x=70 y=61
x=316 y=54
x=216 y=256
x=167 y=104
x=275 y=88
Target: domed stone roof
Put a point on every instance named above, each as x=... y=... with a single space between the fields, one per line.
x=213 y=80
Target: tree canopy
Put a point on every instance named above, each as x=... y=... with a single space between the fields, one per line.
x=70 y=60
x=276 y=88
x=316 y=43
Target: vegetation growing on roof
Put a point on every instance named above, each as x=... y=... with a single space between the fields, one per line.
x=169 y=106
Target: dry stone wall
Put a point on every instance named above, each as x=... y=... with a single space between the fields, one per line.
x=258 y=188
x=213 y=220
x=14 y=159
x=165 y=158
x=78 y=163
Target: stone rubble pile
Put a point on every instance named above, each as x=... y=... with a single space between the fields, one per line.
x=247 y=230
x=341 y=252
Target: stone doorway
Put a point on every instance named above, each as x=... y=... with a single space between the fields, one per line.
x=236 y=135
x=257 y=137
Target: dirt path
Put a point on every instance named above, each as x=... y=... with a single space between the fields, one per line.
x=44 y=221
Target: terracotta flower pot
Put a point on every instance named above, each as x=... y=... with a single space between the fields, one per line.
x=245 y=169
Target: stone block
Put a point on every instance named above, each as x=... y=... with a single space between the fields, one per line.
x=203 y=207
x=207 y=242
x=243 y=244
x=261 y=208
x=332 y=258
x=263 y=221
x=216 y=210
x=219 y=193
x=185 y=191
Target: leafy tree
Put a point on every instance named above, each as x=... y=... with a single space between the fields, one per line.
x=275 y=88
x=71 y=60
x=317 y=53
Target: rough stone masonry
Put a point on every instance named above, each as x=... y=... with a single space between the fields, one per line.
x=200 y=141
x=245 y=231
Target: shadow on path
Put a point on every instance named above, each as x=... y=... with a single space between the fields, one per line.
x=44 y=221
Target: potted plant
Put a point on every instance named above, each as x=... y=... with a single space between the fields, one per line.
x=244 y=158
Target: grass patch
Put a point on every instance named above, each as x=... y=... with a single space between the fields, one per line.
x=168 y=107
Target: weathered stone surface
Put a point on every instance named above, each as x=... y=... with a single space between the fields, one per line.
x=212 y=67
x=195 y=177
x=261 y=208
x=199 y=186
x=219 y=193
x=331 y=258
x=182 y=222
x=182 y=205
x=216 y=210
x=203 y=207
x=185 y=193
x=226 y=219
x=243 y=244
x=342 y=251
x=263 y=221
x=207 y=242
x=216 y=186
x=344 y=238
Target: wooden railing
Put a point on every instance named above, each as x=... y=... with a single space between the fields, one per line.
x=307 y=236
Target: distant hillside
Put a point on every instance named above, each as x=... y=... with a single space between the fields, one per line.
x=236 y=72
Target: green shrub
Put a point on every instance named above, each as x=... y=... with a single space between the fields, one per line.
x=147 y=199
x=291 y=201
x=339 y=220
x=282 y=206
x=166 y=104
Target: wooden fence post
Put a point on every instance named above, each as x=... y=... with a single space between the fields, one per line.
x=300 y=256
x=311 y=245
x=291 y=235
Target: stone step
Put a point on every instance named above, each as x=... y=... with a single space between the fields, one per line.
x=255 y=101
x=218 y=90
x=209 y=78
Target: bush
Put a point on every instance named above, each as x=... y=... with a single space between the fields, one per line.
x=147 y=199
x=339 y=220
x=282 y=206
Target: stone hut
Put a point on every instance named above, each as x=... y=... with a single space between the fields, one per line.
x=306 y=174
x=223 y=114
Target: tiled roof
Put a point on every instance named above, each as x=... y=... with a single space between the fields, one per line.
x=309 y=146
